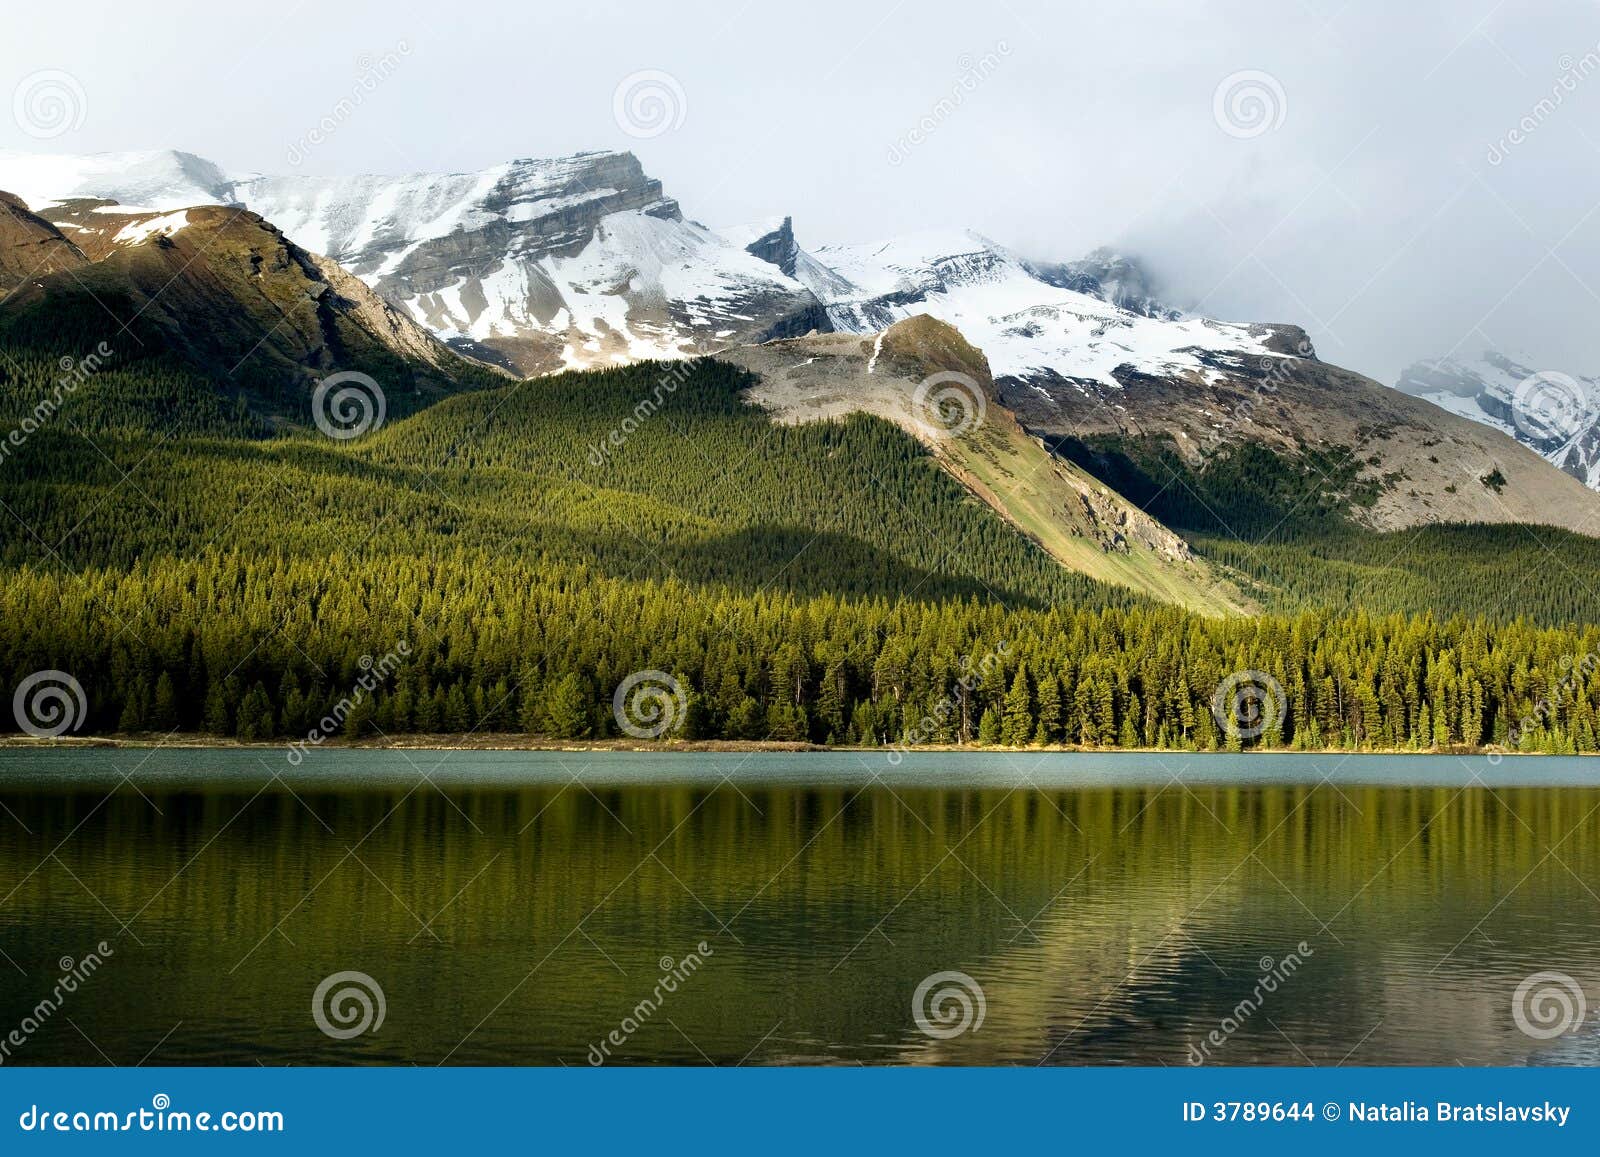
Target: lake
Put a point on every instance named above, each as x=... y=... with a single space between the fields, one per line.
x=839 y=908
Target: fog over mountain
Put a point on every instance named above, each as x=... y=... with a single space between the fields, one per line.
x=1404 y=181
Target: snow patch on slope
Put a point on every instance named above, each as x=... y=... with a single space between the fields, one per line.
x=142 y=230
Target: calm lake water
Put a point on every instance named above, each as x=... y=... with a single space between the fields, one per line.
x=521 y=908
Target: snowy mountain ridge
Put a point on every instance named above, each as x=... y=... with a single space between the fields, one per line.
x=568 y=262
x=1553 y=413
x=538 y=265
x=1032 y=330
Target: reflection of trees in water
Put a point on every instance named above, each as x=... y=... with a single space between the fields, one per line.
x=1104 y=924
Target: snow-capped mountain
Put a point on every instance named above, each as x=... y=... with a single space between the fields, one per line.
x=1552 y=412
x=547 y=264
x=541 y=265
x=537 y=264
x=1033 y=329
x=583 y=260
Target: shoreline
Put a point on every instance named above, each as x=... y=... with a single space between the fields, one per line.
x=445 y=742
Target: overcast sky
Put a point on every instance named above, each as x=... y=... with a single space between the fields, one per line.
x=1364 y=183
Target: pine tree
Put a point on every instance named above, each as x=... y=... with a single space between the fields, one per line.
x=164 y=707
x=457 y=719
x=217 y=720
x=1049 y=711
x=1016 y=728
x=255 y=714
x=989 y=728
x=566 y=709
x=134 y=708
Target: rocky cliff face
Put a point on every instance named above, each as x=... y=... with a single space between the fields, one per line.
x=542 y=264
x=774 y=244
x=413 y=231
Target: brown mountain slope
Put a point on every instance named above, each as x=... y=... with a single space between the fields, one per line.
x=31 y=246
x=1412 y=462
x=228 y=293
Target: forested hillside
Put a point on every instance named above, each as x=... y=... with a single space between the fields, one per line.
x=822 y=582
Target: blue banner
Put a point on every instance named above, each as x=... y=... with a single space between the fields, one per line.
x=743 y=1111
